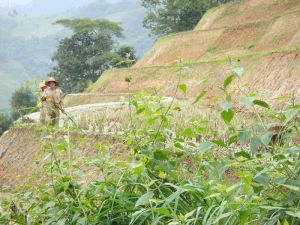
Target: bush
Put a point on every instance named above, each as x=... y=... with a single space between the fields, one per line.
x=238 y=173
x=5 y=122
x=22 y=102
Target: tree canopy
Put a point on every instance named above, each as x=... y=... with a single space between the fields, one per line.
x=22 y=100
x=101 y=26
x=5 y=122
x=170 y=16
x=85 y=55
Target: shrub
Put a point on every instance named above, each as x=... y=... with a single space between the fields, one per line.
x=236 y=173
x=5 y=122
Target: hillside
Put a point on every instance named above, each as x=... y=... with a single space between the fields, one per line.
x=28 y=40
x=166 y=157
x=263 y=34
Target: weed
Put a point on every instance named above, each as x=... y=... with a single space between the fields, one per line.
x=251 y=45
x=218 y=166
x=277 y=38
x=212 y=49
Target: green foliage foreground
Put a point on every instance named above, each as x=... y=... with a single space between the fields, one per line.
x=239 y=173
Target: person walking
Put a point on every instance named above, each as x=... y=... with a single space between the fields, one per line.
x=41 y=104
x=52 y=98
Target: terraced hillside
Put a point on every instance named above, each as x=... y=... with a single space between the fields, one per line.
x=264 y=35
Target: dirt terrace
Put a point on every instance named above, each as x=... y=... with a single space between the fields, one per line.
x=270 y=75
x=246 y=11
x=202 y=45
x=21 y=148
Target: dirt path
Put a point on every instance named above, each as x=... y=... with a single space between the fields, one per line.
x=76 y=111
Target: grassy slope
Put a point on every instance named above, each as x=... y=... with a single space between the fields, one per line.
x=269 y=51
x=282 y=79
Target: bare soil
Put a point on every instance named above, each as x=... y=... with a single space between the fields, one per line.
x=21 y=149
x=251 y=38
x=270 y=75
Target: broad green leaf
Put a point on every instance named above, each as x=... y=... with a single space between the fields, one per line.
x=137 y=167
x=144 y=199
x=160 y=155
x=140 y=110
x=292 y=150
x=247 y=100
x=242 y=154
x=247 y=182
x=213 y=195
x=261 y=103
x=61 y=147
x=183 y=88
x=244 y=216
x=204 y=147
x=82 y=221
x=261 y=178
x=290 y=114
x=188 y=132
x=49 y=205
x=219 y=143
x=223 y=216
x=232 y=139
x=203 y=81
x=227 y=116
x=291 y=187
x=270 y=207
x=266 y=138
x=199 y=97
x=233 y=187
x=238 y=71
x=296 y=214
x=228 y=81
x=226 y=106
x=244 y=137
x=178 y=145
x=286 y=222
x=162 y=211
x=61 y=222
x=255 y=144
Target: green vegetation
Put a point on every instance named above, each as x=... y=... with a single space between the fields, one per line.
x=88 y=53
x=27 y=43
x=5 y=122
x=23 y=101
x=224 y=166
x=212 y=49
x=165 y=17
x=277 y=38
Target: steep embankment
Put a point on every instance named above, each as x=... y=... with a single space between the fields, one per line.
x=24 y=151
x=265 y=35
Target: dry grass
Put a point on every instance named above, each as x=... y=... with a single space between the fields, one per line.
x=233 y=40
x=101 y=129
x=247 y=11
x=269 y=75
x=263 y=34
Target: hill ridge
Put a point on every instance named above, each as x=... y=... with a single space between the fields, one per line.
x=267 y=46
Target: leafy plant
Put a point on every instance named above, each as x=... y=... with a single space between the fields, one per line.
x=234 y=174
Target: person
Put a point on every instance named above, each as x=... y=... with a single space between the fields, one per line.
x=41 y=105
x=52 y=98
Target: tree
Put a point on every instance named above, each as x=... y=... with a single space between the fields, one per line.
x=170 y=16
x=128 y=55
x=85 y=55
x=22 y=102
x=5 y=122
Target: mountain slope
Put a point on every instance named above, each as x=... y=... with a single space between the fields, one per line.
x=265 y=35
x=27 y=43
